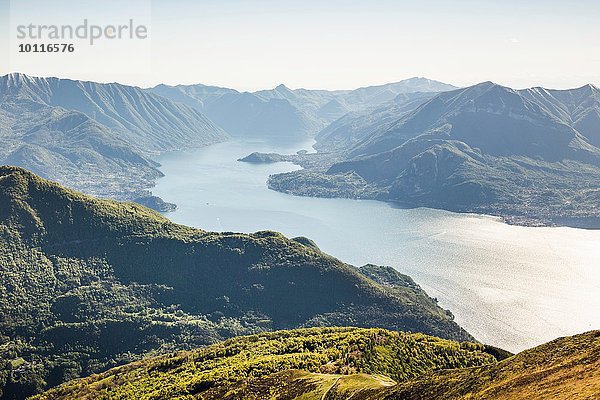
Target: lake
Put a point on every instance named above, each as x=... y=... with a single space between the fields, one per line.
x=509 y=286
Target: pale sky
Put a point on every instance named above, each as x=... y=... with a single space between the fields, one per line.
x=252 y=44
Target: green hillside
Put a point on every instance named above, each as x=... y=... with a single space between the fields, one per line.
x=357 y=364
x=566 y=368
x=210 y=372
x=89 y=284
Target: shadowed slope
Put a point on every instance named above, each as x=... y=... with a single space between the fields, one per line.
x=89 y=284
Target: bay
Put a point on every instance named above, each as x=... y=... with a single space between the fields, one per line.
x=510 y=286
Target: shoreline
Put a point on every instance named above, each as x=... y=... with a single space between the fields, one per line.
x=312 y=161
x=304 y=159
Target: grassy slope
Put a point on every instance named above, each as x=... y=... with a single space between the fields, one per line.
x=210 y=371
x=90 y=284
x=304 y=385
x=566 y=368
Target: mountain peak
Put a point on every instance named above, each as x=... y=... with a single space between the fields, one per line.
x=22 y=176
x=281 y=88
x=16 y=79
x=489 y=88
x=16 y=75
x=590 y=87
x=9 y=169
x=487 y=84
x=418 y=79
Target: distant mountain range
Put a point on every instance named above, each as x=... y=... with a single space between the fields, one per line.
x=531 y=156
x=527 y=155
x=147 y=122
x=282 y=112
x=357 y=364
x=244 y=114
x=94 y=137
x=88 y=284
x=100 y=138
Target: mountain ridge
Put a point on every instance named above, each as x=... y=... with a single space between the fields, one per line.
x=137 y=115
x=94 y=137
x=93 y=283
x=314 y=109
x=486 y=149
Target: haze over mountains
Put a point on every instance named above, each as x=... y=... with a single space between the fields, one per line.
x=94 y=137
x=288 y=113
x=527 y=155
x=100 y=138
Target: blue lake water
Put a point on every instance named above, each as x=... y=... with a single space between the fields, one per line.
x=510 y=286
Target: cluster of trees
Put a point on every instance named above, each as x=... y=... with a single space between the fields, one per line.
x=401 y=356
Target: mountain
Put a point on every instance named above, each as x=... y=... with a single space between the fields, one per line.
x=88 y=284
x=497 y=120
x=350 y=363
x=74 y=149
x=528 y=156
x=208 y=372
x=192 y=95
x=244 y=114
x=565 y=368
x=149 y=123
x=356 y=99
x=353 y=128
x=579 y=108
x=376 y=95
x=94 y=137
x=285 y=112
x=331 y=105
x=259 y=117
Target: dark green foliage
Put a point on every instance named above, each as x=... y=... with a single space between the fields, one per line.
x=307 y=242
x=388 y=276
x=156 y=203
x=89 y=284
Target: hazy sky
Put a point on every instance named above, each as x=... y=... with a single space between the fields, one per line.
x=253 y=44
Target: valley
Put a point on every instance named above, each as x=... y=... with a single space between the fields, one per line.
x=372 y=176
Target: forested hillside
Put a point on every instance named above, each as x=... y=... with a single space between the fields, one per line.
x=89 y=284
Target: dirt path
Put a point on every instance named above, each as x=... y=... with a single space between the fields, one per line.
x=331 y=387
